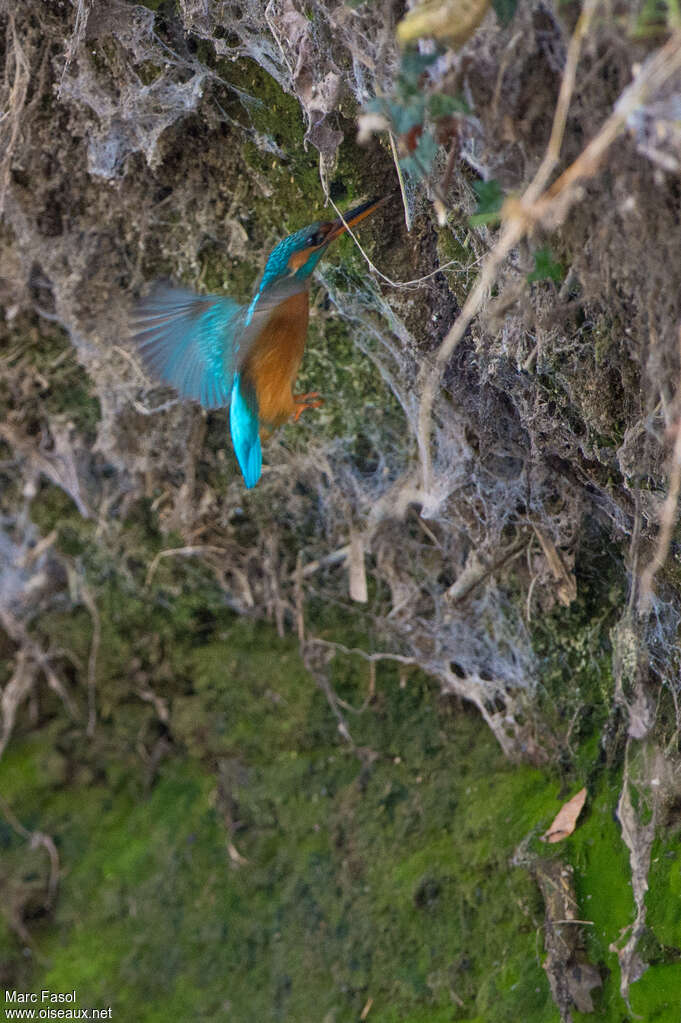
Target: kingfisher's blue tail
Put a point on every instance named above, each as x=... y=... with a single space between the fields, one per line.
x=189 y=341
x=243 y=422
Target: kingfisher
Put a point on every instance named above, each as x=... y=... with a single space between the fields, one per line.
x=220 y=353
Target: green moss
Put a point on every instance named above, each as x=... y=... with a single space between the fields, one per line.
x=221 y=274
x=390 y=882
x=664 y=894
x=574 y=652
x=256 y=101
x=602 y=875
x=657 y=995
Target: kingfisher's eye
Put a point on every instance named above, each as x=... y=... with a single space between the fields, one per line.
x=314 y=239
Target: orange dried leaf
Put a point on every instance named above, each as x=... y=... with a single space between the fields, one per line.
x=566 y=818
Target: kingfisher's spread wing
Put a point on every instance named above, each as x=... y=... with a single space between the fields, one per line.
x=199 y=344
x=189 y=341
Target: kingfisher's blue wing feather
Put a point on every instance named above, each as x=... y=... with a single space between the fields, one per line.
x=243 y=423
x=189 y=341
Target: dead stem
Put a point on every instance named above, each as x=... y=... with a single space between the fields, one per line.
x=400 y=178
x=17 y=78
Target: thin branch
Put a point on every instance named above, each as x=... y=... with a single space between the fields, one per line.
x=477 y=572
x=400 y=178
x=80 y=25
x=335 y=558
x=182 y=551
x=322 y=681
x=30 y=659
x=14 y=692
x=372 y=658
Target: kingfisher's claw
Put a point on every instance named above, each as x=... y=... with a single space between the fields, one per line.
x=305 y=401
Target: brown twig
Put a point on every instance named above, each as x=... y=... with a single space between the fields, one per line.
x=14 y=692
x=476 y=573
x=318 y=672
x=299 y=599
x=270 y=563
x=335 y=558
x=340 y=648
x=567 y=87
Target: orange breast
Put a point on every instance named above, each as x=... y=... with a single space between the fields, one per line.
x=273 y=362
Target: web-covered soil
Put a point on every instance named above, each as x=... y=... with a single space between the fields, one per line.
x=503 y=554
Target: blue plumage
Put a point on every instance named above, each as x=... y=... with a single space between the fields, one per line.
x=244 y=426
x=185 y=340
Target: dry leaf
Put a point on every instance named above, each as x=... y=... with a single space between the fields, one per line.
x=566 y=818
x=453 y=20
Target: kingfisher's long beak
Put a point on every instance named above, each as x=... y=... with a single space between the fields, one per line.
x=352 y=217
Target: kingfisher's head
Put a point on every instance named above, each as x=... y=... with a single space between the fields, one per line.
x=299 y=254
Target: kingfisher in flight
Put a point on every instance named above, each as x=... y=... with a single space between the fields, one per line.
x=220 y=353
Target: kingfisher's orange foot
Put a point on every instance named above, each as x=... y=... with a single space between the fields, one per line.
x=305 y=401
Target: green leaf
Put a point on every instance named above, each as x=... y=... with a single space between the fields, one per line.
x=441 y=105
x=490 y=201
x=546 y=267
x=414 y=64
x=653 y=18
x=426 y=150
x=421 y=160
x=404 y=118
x=376 y=105
x=504 y=10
